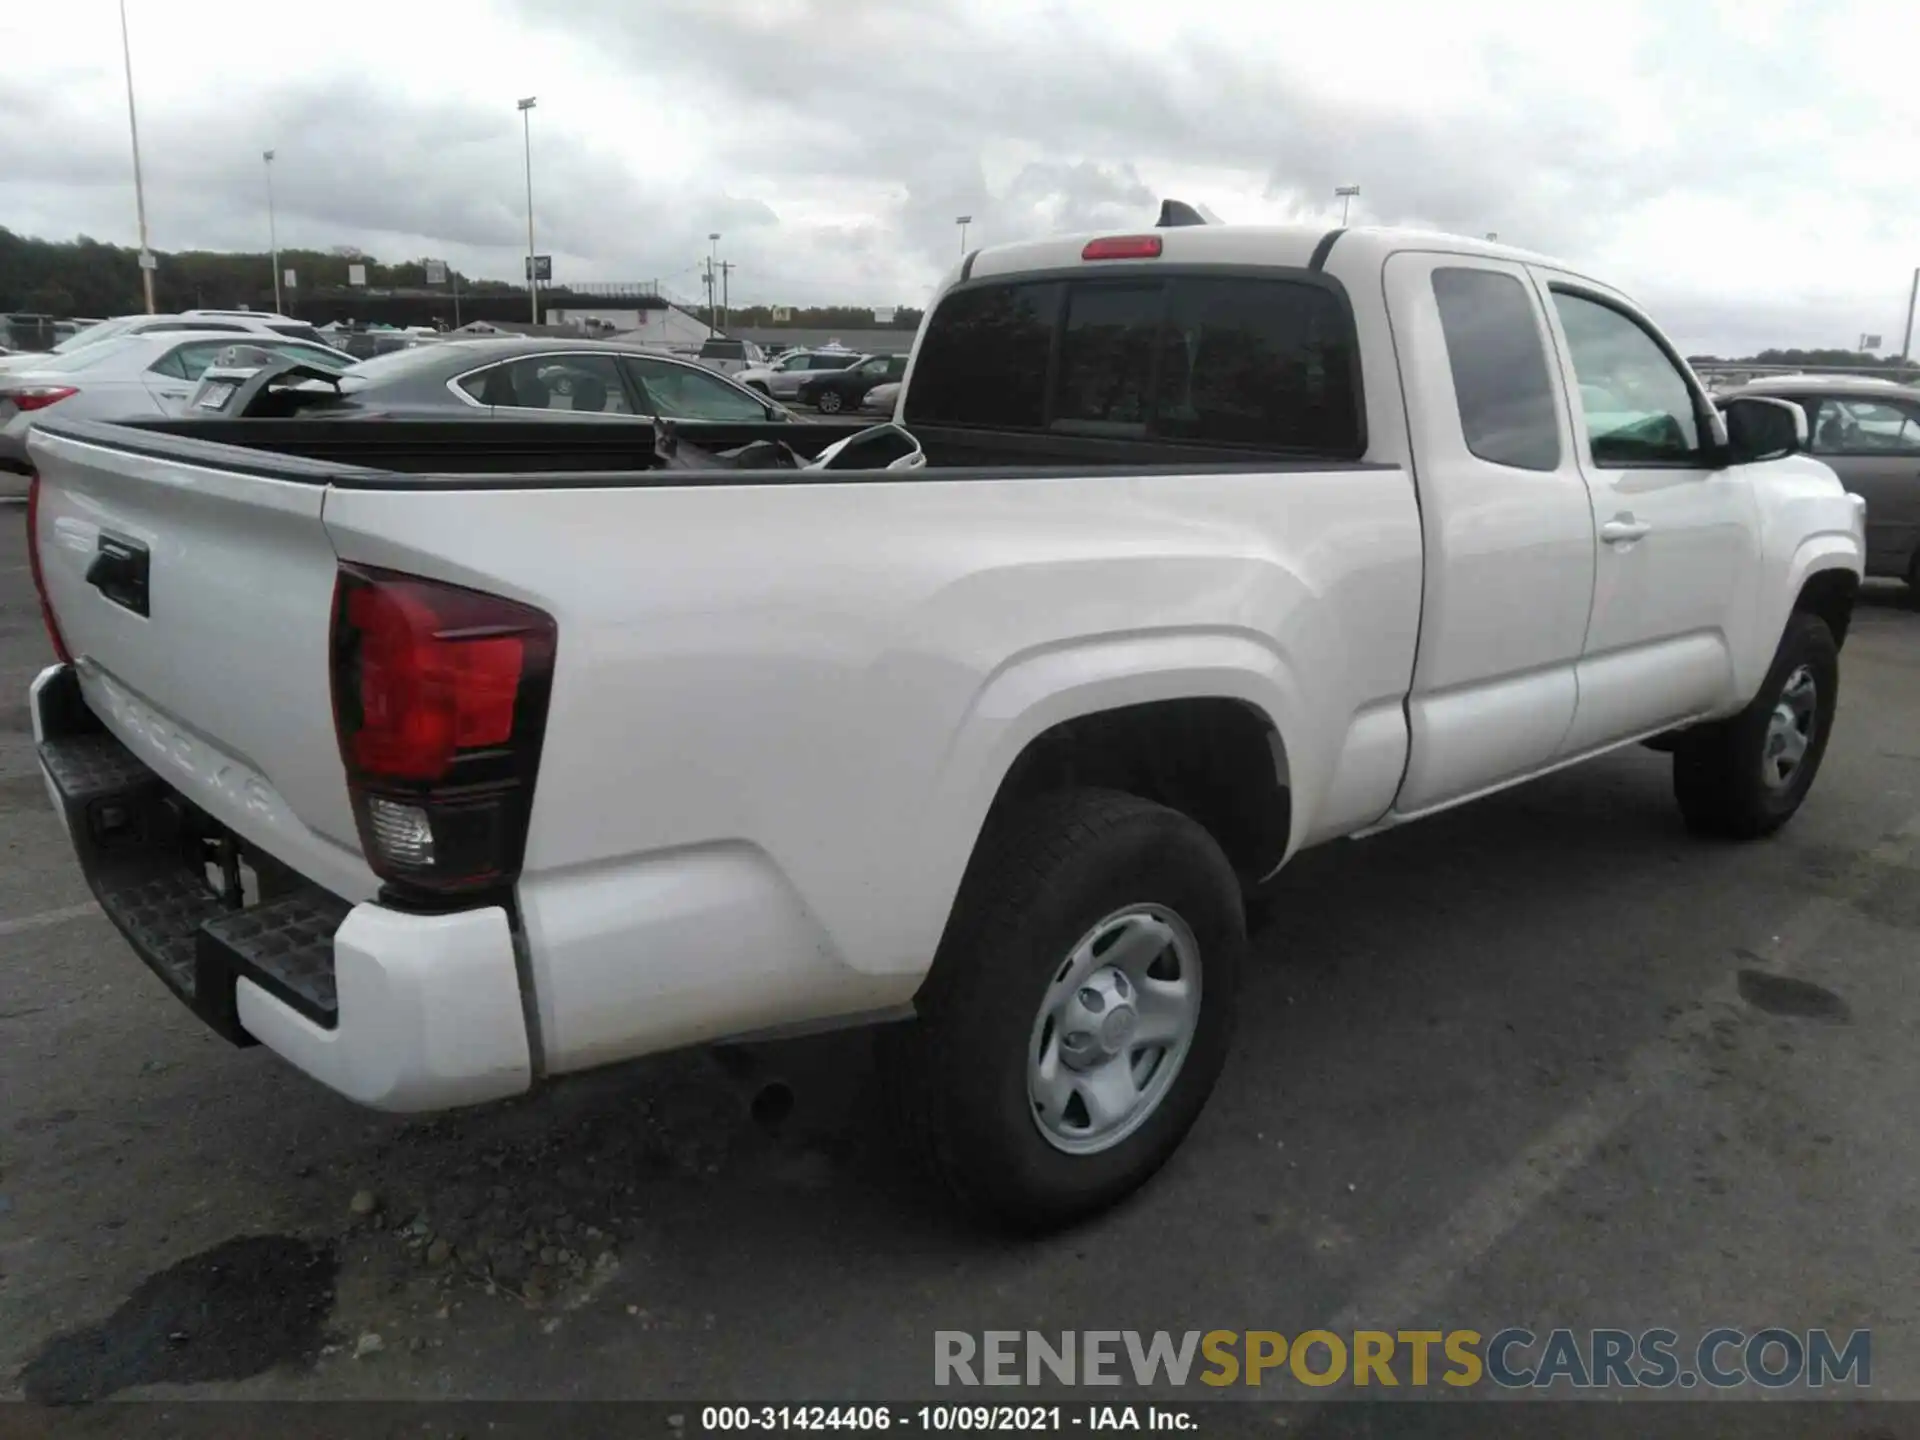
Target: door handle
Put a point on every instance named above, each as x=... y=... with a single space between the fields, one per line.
x=1624 y=529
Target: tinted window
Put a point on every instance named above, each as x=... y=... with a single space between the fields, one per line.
x=686 y=392
x=830 y=362
x=723 y=350
x=1613 y=355
x=1500 y=378
x=1106 y=357
x=1851 y=426
x=983 y=359
x=1259 y=362
x=585 y=384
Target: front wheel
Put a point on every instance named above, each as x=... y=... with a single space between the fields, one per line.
x=1078 y=1012
x=1745 y=777
x=829 y=402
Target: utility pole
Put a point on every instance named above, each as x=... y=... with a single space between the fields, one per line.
x=726 y=294
x=1906 y=349
x=533 y=272
x=273 y=239
x=139 y=188
x=713 y=265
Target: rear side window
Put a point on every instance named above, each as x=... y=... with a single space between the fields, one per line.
x=983 y=360
x=1212 y=360
x=300 y=332
x=1500 y=378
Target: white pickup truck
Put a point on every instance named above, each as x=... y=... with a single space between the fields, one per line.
x=442 y=762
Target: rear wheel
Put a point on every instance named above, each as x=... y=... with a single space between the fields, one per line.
x=829 y=402
x=1745 y=777
x=1078 y=1012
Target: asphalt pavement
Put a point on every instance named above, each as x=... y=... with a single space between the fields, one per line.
x=1544 y=1061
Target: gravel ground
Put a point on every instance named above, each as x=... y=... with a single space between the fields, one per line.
x=1543 y=1061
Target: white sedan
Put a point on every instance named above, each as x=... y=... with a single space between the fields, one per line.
x=129 y=377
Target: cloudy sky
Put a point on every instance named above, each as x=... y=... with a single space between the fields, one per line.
x=1747 y=167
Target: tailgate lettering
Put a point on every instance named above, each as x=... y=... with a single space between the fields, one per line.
x=196 y=761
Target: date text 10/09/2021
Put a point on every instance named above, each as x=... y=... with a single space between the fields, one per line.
x=941 y=1418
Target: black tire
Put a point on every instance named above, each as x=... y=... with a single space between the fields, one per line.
x=1041 y=878
x=829 y=402
x=1718 y=769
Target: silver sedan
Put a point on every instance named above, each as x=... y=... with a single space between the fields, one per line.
x=130 y=377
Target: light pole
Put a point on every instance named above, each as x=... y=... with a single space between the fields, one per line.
x=273 y=238
x=1345 y=195
x=1906 y=348
x=139 y=188
x=713 y=275
x=963 y=221
x=533 y=278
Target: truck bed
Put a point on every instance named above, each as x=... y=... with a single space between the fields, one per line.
x=463 y=454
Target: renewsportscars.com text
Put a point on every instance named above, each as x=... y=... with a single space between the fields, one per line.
x=1514 y=1358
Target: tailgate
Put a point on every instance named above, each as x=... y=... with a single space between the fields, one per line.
x=196 y=602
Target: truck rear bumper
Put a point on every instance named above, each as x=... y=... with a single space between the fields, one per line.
x=396 y=1010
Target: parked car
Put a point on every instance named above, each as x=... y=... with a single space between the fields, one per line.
x=882 y=399
x=838 y=390
x=234 y=323
x=128 y=377
x=783 y=378
x=1296 y=534
x=512 y=377
x=729 y=357
x=1868 y=430
x=28 y=331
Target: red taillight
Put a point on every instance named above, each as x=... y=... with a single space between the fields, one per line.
x=39 y=578
x=39 y=397
x=439 y=700
x=1122 y=247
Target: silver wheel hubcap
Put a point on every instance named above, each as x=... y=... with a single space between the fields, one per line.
x=1114 y=1029
x=1790 y=730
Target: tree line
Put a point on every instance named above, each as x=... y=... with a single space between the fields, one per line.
x=86 y=277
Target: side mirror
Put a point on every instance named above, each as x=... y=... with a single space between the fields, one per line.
x=1762 y=428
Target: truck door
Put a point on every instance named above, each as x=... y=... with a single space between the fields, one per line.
x=1507 y=524
x=1676 y=540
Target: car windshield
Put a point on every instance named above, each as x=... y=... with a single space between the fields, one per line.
x=67 y=363
x=390 y=366
x=93 y=335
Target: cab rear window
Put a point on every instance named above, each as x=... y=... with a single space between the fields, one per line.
x=1209 y=359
